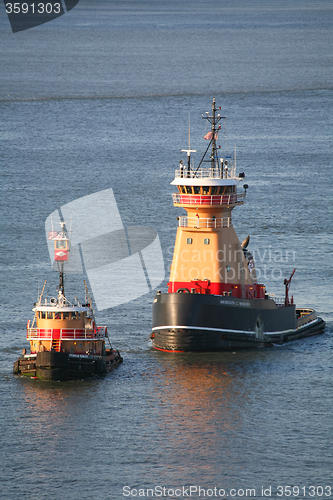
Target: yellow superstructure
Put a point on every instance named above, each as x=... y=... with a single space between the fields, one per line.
x=208 y=256
x=64 y=327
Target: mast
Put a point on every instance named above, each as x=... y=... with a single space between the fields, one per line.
x=213 y=122
x=61 y=253
x=214 y=119
x=61 y=278
x=60 y=264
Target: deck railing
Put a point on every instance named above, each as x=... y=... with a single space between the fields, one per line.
x=66 y=333
x=201 y=222
x=279 y=301
x=207 y=173
x=205 y=199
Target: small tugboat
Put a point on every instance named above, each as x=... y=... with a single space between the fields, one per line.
x=65 y=342
x=214 y=302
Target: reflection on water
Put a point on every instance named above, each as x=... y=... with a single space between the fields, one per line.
x=195 y=386
x=198 y=402
x=162 y=419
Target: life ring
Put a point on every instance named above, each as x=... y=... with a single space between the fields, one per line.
x=183 y=290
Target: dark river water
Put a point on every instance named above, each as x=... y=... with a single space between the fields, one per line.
x=99 y=99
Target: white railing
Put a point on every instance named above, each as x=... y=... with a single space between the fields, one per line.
x=206 y=199
x=66 y=333
x=207 y=173
x=201 y=222
x=102 y=331
x=279 y=301
x=39 y=333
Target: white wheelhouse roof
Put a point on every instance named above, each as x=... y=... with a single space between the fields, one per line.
x=206 y=181
x=56 y=308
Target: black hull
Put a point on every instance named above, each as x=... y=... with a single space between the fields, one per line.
x=59 y=366
x=196 y=322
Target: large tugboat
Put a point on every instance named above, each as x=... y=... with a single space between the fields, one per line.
x=65 y=342
x=214 y=302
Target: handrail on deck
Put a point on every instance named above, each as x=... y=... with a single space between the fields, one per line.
x=208 y=199
x=207 y=173
x=280 y=301
x=66 y=333
x=202 y=222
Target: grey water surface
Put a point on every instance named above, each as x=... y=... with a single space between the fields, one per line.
x=100 y=98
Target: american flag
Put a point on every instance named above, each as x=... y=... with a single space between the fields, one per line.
x=209 y=136
x=52 y=234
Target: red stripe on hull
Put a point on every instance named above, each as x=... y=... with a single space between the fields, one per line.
x=226 y=289
x=165 y=350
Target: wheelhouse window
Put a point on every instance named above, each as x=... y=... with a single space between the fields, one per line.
x=50 y=315
x=60 y=244
x=227 y=189
x=210 y=190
